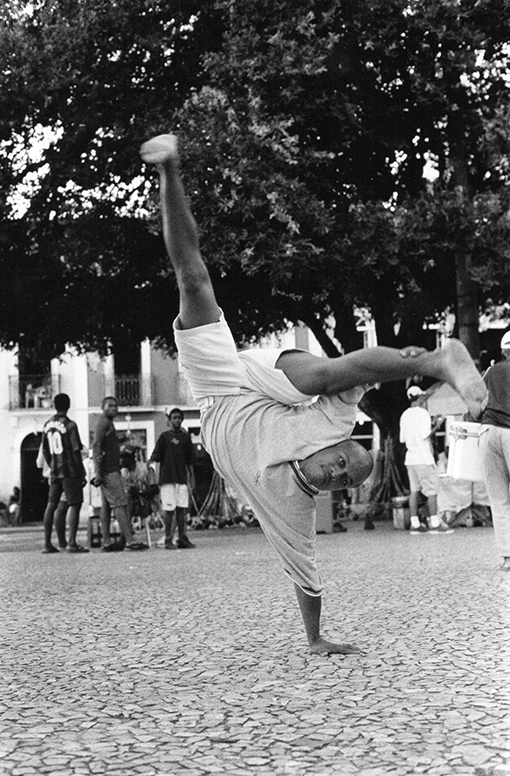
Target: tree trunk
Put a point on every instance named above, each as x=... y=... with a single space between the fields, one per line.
x=467 y=307
x=468 y=319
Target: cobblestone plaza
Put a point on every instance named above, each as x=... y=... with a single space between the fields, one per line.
x=188 y=663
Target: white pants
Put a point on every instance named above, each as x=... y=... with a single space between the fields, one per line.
x=213 y=367
x=495 y=448
x=173 y=495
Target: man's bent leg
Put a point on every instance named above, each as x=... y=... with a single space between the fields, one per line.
x=452 y=364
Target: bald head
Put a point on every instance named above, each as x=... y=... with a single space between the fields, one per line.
x=344 y=465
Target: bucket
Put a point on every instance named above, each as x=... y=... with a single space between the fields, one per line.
x=400 y=509
x=464 y=456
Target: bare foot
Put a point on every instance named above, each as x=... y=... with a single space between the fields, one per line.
x=460 y=372
x=160 y=149
x=323 y=647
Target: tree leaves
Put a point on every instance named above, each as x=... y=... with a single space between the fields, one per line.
x=305 y=130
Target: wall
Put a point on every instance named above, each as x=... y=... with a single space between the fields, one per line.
x=166 y=381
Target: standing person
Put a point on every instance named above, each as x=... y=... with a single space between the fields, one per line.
x=106 y=457
x=495 y=449
x=175 y=454
x=279 y=453
x=61 y=448
x=416 y=434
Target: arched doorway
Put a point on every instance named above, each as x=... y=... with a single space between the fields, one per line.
x=34 y=487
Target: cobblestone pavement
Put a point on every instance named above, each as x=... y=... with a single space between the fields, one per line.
x=194 y=662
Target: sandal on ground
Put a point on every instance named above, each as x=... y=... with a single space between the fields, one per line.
x=77 y=548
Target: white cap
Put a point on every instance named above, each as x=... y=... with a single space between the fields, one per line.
x=505 y=341
x=414 y=391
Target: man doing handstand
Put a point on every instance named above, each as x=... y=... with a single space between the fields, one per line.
x=264 y=436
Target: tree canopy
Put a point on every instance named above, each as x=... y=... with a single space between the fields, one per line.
x=338 y=155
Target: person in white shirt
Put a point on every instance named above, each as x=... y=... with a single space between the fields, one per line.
x=415 y=433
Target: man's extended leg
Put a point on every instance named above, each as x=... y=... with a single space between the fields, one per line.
x=198 y=305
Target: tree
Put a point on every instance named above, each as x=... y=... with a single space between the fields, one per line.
x=306 y=129
x=82 y=83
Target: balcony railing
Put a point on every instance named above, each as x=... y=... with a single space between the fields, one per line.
x=33 y=392
x=30 y=392
x=133 y=390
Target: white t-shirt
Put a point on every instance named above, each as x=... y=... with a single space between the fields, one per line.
x=251 y=440
x=415 y=430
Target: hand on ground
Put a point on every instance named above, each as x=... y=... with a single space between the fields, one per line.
x=323 y=647
x=160 y=149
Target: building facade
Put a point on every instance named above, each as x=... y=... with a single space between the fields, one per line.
x=26 y=403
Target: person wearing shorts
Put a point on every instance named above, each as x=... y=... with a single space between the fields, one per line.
x=266 y=431
x=175 y=455
x=106 y=457
x=61 y=449
x=415 y=433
